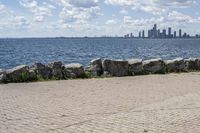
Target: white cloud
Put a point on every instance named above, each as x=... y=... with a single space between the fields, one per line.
x=78 y=15
x=2 y=8
x=40 y=11
x=20 y=21
x=169 y=3
x=39 y=18
x=156 y=7
x=141 y=22
x=9 y=20
x=111 y=22
x=84 y=3
x=78 y=11
x=123 y=11
x=172 y=17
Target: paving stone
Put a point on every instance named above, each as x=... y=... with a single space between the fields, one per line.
x=112 y=105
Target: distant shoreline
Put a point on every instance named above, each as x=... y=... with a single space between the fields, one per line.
x=98 y=38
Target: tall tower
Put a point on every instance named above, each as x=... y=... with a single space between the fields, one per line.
x=180 y=33
x=169 y=32
x=131 y=35
x=174 y=34
x=140 y=34
x=155 y=31
x=143 y=34
x=149 y=33
x=158 y=33
x=164 y=33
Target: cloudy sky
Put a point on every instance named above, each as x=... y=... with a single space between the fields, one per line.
x=52 y=18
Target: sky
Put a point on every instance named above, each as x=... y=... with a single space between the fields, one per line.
x=78 y=18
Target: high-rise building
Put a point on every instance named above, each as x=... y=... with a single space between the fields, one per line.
x=149 y=33
x=164 y=33
x=143 y=34
x=184 y=35
x=158 y=33
x=174 y=34
x=169 y=32
x=155 y=31
x=140 y=34
x=180 y=33
x=131 y=35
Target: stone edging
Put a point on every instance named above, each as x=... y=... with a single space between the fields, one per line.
x=97 y=68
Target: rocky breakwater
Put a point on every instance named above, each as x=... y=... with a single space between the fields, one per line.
x=97 y=68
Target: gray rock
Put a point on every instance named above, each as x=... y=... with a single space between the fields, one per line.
x=32 y=75
x=74 y=70
x=42 y=71
x=3 y=76
x=115 y=67
x=56 y=69
x=1 y=71
x=154 y=66
x=18 y=74
x=176 y=65
x=96 y=68
x=192 y=64
x=135 y=66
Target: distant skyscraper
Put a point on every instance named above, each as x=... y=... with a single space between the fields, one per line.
x=155 y=31
x=159 y=35
x=184 y=35
x=169 y=32
x=180 y=33
x=143 y=34
x=149 y=33
x=164 y=33
x=174 y=34
x=155 y=26
x=140 y=34
x=131 y=35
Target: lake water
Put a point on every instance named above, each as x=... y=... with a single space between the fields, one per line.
x=15 y=52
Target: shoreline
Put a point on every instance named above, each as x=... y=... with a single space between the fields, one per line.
x=98 y=68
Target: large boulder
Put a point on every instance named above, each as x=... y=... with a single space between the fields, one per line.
x=2 y=71
x=115 y=67
x=56 y=70
x=19 y=74
x=3 y=77
x=176 y=65
x=135 y=66
x=154 y=66
x=32 y=75
x=74 y=70
x=192 y=64
x=96 y=67
x=42 y=71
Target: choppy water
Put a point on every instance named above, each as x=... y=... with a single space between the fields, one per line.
x=14 y=52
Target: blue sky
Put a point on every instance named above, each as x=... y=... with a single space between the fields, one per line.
x=52 y=18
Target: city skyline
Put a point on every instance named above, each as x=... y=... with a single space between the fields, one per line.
x=155 y=32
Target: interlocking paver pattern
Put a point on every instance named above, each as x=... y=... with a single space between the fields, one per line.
x=153 y=104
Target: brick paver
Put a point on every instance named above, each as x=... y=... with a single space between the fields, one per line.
x=153 y=104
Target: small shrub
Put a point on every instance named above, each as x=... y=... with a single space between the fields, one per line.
x=85 y=75
x=23 y=77
x=40 y=78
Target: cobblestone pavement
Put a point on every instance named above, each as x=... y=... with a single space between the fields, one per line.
x=153 y=104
